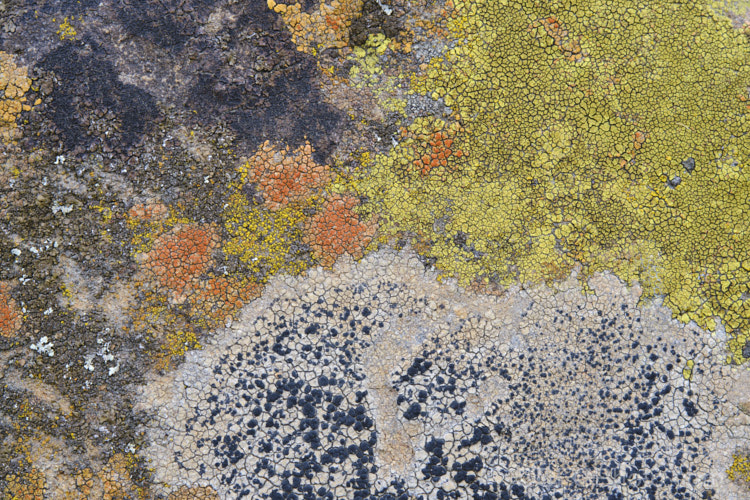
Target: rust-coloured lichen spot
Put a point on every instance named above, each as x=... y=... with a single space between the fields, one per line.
x=283 y=176
x=179 y=256
x=337 y=230
x=11 y=316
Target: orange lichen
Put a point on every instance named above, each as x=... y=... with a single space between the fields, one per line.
x=326 y=27
x=176 y=271
x=432 y=149
x=178 y=257
x=116 y=479
x=336 y=230
x=14 y=83
x=283 y=176
x=148 y=211
x=440 y=150
x=194 y=493
x=84 y=482
x=11 y=317
x=569 y=46
x=28 y=486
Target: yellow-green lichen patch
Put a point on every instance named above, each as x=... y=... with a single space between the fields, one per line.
x=740 y=469
x=610 y=134
x=687 y=371
x=261 y=238
x=367 y=71
x=66 y=30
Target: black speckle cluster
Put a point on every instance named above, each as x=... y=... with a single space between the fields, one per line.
x=378 y=386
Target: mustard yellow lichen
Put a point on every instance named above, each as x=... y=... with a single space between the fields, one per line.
x=66 y=30
x=599 y=132
x=14 y=83
x=262 y=238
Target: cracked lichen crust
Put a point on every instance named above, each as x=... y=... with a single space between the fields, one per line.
x=375 y=380
x=14 y=83
x=613 y=134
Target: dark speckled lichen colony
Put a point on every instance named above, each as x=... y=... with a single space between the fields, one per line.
x=375 y=381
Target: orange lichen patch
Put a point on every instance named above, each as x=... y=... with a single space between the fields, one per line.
x=440 y=150
x=283 y=176
x=14 y=83
x=178 y=257
x=85 y=482
x=569 y=46
x=176 y=272
x=336 y=230
x=326 y=27
x=116 y=480
x=148 y=212
x=433 y=149
x=194 y=493
x=215 y=300
x=29 y=486
x=11 y=317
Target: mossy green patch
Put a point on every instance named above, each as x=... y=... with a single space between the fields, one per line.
x=613 y=134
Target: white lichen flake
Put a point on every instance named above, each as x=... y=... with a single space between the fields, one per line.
x=43 y=346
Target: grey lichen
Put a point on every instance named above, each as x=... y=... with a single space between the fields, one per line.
x=376 y=381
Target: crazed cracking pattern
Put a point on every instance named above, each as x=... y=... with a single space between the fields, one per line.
x=375 y=380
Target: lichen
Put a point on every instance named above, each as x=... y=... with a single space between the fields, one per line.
x=14 y=83
x=11 y=316
x=740 y=469
x=26 y=486
x=327 y=26
x=595 y=136
x=376 y=380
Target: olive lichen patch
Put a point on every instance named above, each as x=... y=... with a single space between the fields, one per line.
x=376 y=380
x=14 y=83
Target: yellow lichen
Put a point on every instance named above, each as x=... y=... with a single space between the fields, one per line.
x=594 y=136
x=14 y=83
x=367 y=73
x=326 y=27
x=66 y=30
x=262 y=239
x=687 y=371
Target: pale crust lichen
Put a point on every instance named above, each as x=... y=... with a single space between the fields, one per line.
x=442 y=391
